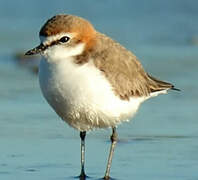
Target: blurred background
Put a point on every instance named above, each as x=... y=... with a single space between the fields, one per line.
x=160 y=142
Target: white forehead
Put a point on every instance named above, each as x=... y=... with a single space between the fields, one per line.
x=47 y=40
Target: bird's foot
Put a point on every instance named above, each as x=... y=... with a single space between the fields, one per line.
x=106 y=178
x=83 y=176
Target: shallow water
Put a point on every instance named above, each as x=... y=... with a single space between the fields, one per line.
x=160 y=142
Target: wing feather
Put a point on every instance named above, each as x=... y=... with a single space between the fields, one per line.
x=124 y=71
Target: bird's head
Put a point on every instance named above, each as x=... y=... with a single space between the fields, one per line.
x=64 y=36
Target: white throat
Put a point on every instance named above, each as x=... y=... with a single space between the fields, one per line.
x=60 y=52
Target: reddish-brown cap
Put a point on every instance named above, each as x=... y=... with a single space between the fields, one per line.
x=64 y=23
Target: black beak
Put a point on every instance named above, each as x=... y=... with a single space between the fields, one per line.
x=36 y=50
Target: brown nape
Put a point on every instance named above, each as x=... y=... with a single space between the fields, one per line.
x=86 y=55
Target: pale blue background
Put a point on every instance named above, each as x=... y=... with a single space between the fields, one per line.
x=160 y=143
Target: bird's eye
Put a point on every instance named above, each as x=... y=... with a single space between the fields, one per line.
x=64 y=39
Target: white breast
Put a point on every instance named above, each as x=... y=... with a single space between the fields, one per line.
x=82 y=96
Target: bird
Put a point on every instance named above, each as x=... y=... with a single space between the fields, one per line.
x=90 y=80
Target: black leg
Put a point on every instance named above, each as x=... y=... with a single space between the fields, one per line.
x=114 y=138
x=82 y=174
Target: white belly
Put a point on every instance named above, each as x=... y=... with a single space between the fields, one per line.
x=82 y=96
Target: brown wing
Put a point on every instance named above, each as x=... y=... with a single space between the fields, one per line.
x=124 y=71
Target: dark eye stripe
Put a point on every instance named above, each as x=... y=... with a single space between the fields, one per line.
x=64 y=39
x=54 y=43
x=51 y=44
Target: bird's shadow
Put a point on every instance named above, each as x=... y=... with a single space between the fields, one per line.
x=82 y=177
x=93 y=178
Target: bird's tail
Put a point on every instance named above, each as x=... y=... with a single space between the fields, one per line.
x=158 y=85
